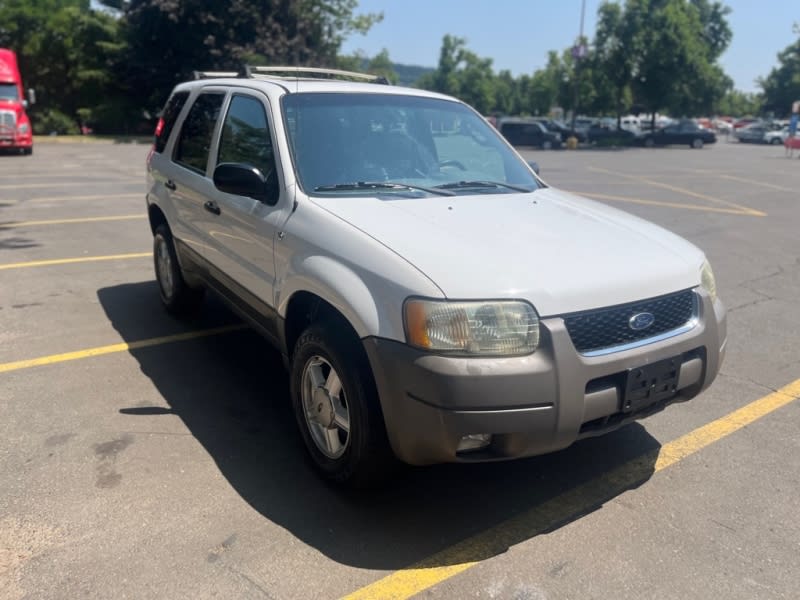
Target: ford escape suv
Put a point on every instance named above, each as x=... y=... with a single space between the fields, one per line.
x=434 y=300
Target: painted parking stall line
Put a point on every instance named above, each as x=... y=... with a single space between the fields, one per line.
x=466 y=554
x=115 y=348
x=70 y=261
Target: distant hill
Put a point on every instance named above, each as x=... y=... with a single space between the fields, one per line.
x=406 y=74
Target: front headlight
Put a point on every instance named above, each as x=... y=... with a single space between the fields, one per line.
x=24 y=128
x=474 y=328
x=707 y=281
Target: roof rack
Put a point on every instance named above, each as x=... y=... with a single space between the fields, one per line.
x=252 y=71
x=215 y=74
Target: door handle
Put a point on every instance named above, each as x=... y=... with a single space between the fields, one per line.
x=170 y=185
x=212 y=207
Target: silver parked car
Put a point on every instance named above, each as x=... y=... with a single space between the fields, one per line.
x=434 y=300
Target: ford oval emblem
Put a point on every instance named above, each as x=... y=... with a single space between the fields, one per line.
x=641 y=321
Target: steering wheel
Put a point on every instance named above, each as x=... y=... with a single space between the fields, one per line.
x=452 y=163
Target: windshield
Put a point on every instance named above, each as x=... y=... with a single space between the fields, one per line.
x=8 y=91
x=349 y=143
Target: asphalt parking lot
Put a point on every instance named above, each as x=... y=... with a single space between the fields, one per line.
x=144 y=457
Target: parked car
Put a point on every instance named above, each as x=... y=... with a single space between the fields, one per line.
x=684 y=132
x=432 y=298
x=525 y=132
x=564 y=130
x=609 y=135
x=752 y=134
x=744 y=122
x=776 y=137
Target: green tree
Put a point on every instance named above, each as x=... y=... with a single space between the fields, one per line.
x=463 y=74
x=782 y=86
x=66 y=51
x=168 y=39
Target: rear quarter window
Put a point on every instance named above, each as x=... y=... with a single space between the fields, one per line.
x=168 y=118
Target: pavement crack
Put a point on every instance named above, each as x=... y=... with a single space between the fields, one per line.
x=747 y=380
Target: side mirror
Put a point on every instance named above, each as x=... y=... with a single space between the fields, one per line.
x=31 y=96
x=534 y=165
x=245 y=180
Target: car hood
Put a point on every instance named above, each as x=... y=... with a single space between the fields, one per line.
x=561 y=252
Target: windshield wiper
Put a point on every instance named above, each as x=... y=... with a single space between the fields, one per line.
x=380 y=185
x=481 y=184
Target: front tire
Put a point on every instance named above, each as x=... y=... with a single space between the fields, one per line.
x=337 y=408
x=649 y=142
x=775 y=141
x=697 y=143
x=178 y=298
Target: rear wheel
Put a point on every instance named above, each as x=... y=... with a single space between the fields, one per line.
x=547 y=145
x=176 y=295
x=649 y=142
x=697 y=143
x=775 y=141
x=337 y=408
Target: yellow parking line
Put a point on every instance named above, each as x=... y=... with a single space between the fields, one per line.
x=770 y=186
x=700 y=207
x=26 y=186
x=69 y=221
x=680 y=190
x=84 y=197
x=111 y=349
x=466 y=554
x=68 y=261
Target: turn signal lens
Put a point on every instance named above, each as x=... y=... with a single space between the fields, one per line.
x=707 y=281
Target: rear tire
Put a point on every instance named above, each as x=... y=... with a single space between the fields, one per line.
x=178 y=298
x=649 y=142
x=336 y=406
x=697 y=143
x=547 y=145
x=775 y=141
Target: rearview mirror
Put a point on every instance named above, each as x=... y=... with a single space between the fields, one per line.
x=31 y=96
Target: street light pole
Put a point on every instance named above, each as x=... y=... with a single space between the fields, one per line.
x=578 y=52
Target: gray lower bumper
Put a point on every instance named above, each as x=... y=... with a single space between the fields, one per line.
x=530 y=404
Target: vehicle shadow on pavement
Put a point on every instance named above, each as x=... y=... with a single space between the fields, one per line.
x=231 y=392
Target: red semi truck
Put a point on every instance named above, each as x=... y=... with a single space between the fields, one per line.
x=15 y=127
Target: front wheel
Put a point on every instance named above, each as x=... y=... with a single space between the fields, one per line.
x=649 y=142
x=775 y=141
x=337 y=408
x=547 y=145
x=697 y=143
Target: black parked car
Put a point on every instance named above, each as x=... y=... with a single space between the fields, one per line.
x=529 y=133
x=563 y=129
x=604 y=135
x=684 y=132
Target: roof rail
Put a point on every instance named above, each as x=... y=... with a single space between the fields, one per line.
x=215 y=74
x=310 y=72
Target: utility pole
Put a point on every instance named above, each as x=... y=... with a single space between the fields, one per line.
x=578 y=53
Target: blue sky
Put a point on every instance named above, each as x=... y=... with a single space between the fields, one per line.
x=517 y=34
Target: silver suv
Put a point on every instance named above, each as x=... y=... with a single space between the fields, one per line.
x=434 y=299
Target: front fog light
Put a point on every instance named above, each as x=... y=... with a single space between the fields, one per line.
x=473 y=442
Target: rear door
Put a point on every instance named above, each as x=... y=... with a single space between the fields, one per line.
x=188 y=180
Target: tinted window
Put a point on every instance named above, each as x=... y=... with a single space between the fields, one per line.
x=168 y=118
x=195 y=139
x=8 y=91
x=245 y=135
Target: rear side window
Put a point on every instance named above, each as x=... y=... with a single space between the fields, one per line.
x=195 y=137
x=168 y=118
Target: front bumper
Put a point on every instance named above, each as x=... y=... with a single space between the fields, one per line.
x=529 y=404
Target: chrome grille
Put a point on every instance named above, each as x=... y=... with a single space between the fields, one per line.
x=8 y=123
x=606 y=328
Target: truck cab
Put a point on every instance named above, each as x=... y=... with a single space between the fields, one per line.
x=15 y=126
